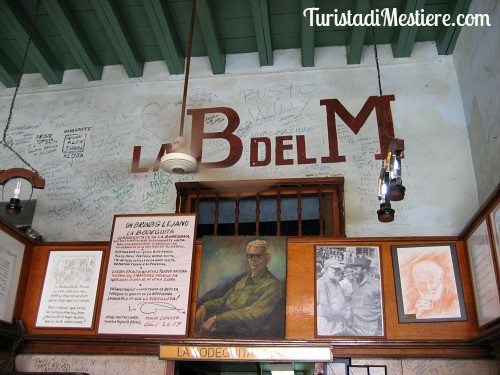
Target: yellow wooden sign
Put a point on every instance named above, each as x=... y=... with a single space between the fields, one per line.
x=246 y=353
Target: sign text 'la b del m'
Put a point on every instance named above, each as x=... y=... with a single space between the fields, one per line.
x=261 y=147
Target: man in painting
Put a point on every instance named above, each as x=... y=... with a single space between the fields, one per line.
x=330 y=300
x=433 y=300
x=247 y=308
x=366 y=307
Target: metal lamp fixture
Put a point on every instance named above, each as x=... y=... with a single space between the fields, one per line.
x=390 y=185
x=14 y=206
x=179 y=160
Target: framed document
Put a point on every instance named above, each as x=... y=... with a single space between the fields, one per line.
x=484 y=276
x=69 y=289
x=148 y=280
x=11 y=260
x=428 y=286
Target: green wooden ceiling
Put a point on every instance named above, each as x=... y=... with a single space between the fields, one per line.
x=90 y=34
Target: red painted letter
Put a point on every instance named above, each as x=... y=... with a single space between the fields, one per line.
x=198 y=135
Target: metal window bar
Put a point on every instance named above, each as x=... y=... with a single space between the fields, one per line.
x=257 y=214
x=237 y=213
x=278 y=210
x=216 y=213
x=299 y=209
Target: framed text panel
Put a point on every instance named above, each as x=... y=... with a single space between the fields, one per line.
x=148 y=280
x=484 y=277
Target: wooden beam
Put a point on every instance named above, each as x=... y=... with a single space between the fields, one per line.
x=166 y=35
x=405 y=36
x=357 y=34
x=447 y=39
x=8 y=70
x=117 y=31
x=210 y=32
x=14 y=18
x=307 y=35
x=69 y=28
x=262 y=31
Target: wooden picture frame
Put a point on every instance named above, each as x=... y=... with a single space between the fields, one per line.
x=348 y=291
x=149 y=273
x=494 y=217
x=428 y=283
x=338 y=366
x=240 y=296
x=69 y=292
x=11 y=259
x=485 y=278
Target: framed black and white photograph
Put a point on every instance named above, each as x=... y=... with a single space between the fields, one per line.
x=428 y=286
x=348 y=291
x=484 y=276
x=338 y=366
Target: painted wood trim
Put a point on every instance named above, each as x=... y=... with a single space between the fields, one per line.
x=208 y=24
x=262 y=31
x=307 y=36
x=69 y=28
x=357 y=34
x=13 y=17
x=120 y=37
x=168 y=40
x=448 y=37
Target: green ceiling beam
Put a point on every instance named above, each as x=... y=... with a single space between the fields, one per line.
x=262 y=31
x=70 y=30
x=210 y=32
x=447 y=39
x=404 y=37
x=117 y=31
x=8 y=74
x=357 y=34
x=168 y=40
x=14 y=18
x=307 y=35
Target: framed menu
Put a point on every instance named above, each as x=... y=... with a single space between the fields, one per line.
x=482 y=259
x=148 y=280
x=11 y=260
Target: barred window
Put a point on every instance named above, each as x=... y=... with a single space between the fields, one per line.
x=300 y=207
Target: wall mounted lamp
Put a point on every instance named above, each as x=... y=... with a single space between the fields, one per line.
x=390 y=185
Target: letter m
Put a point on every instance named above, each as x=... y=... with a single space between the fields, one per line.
x=382 y=106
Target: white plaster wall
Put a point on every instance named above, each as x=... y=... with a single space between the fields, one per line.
x=82 y=194
x=476 y=58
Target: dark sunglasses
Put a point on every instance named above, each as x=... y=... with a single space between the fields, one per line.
x=258 y=256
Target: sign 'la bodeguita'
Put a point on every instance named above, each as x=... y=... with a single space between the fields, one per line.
x=381 y=105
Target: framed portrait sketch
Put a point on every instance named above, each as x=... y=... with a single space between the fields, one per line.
x=428 y=284
x=348 y=291
x=241 y=288
x=484 y=276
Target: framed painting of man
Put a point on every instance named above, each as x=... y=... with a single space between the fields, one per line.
x=241 y=288
x=427 y=282
x=348 y=291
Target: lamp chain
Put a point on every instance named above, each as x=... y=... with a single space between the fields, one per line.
x=21 y=72
x=375 y=51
